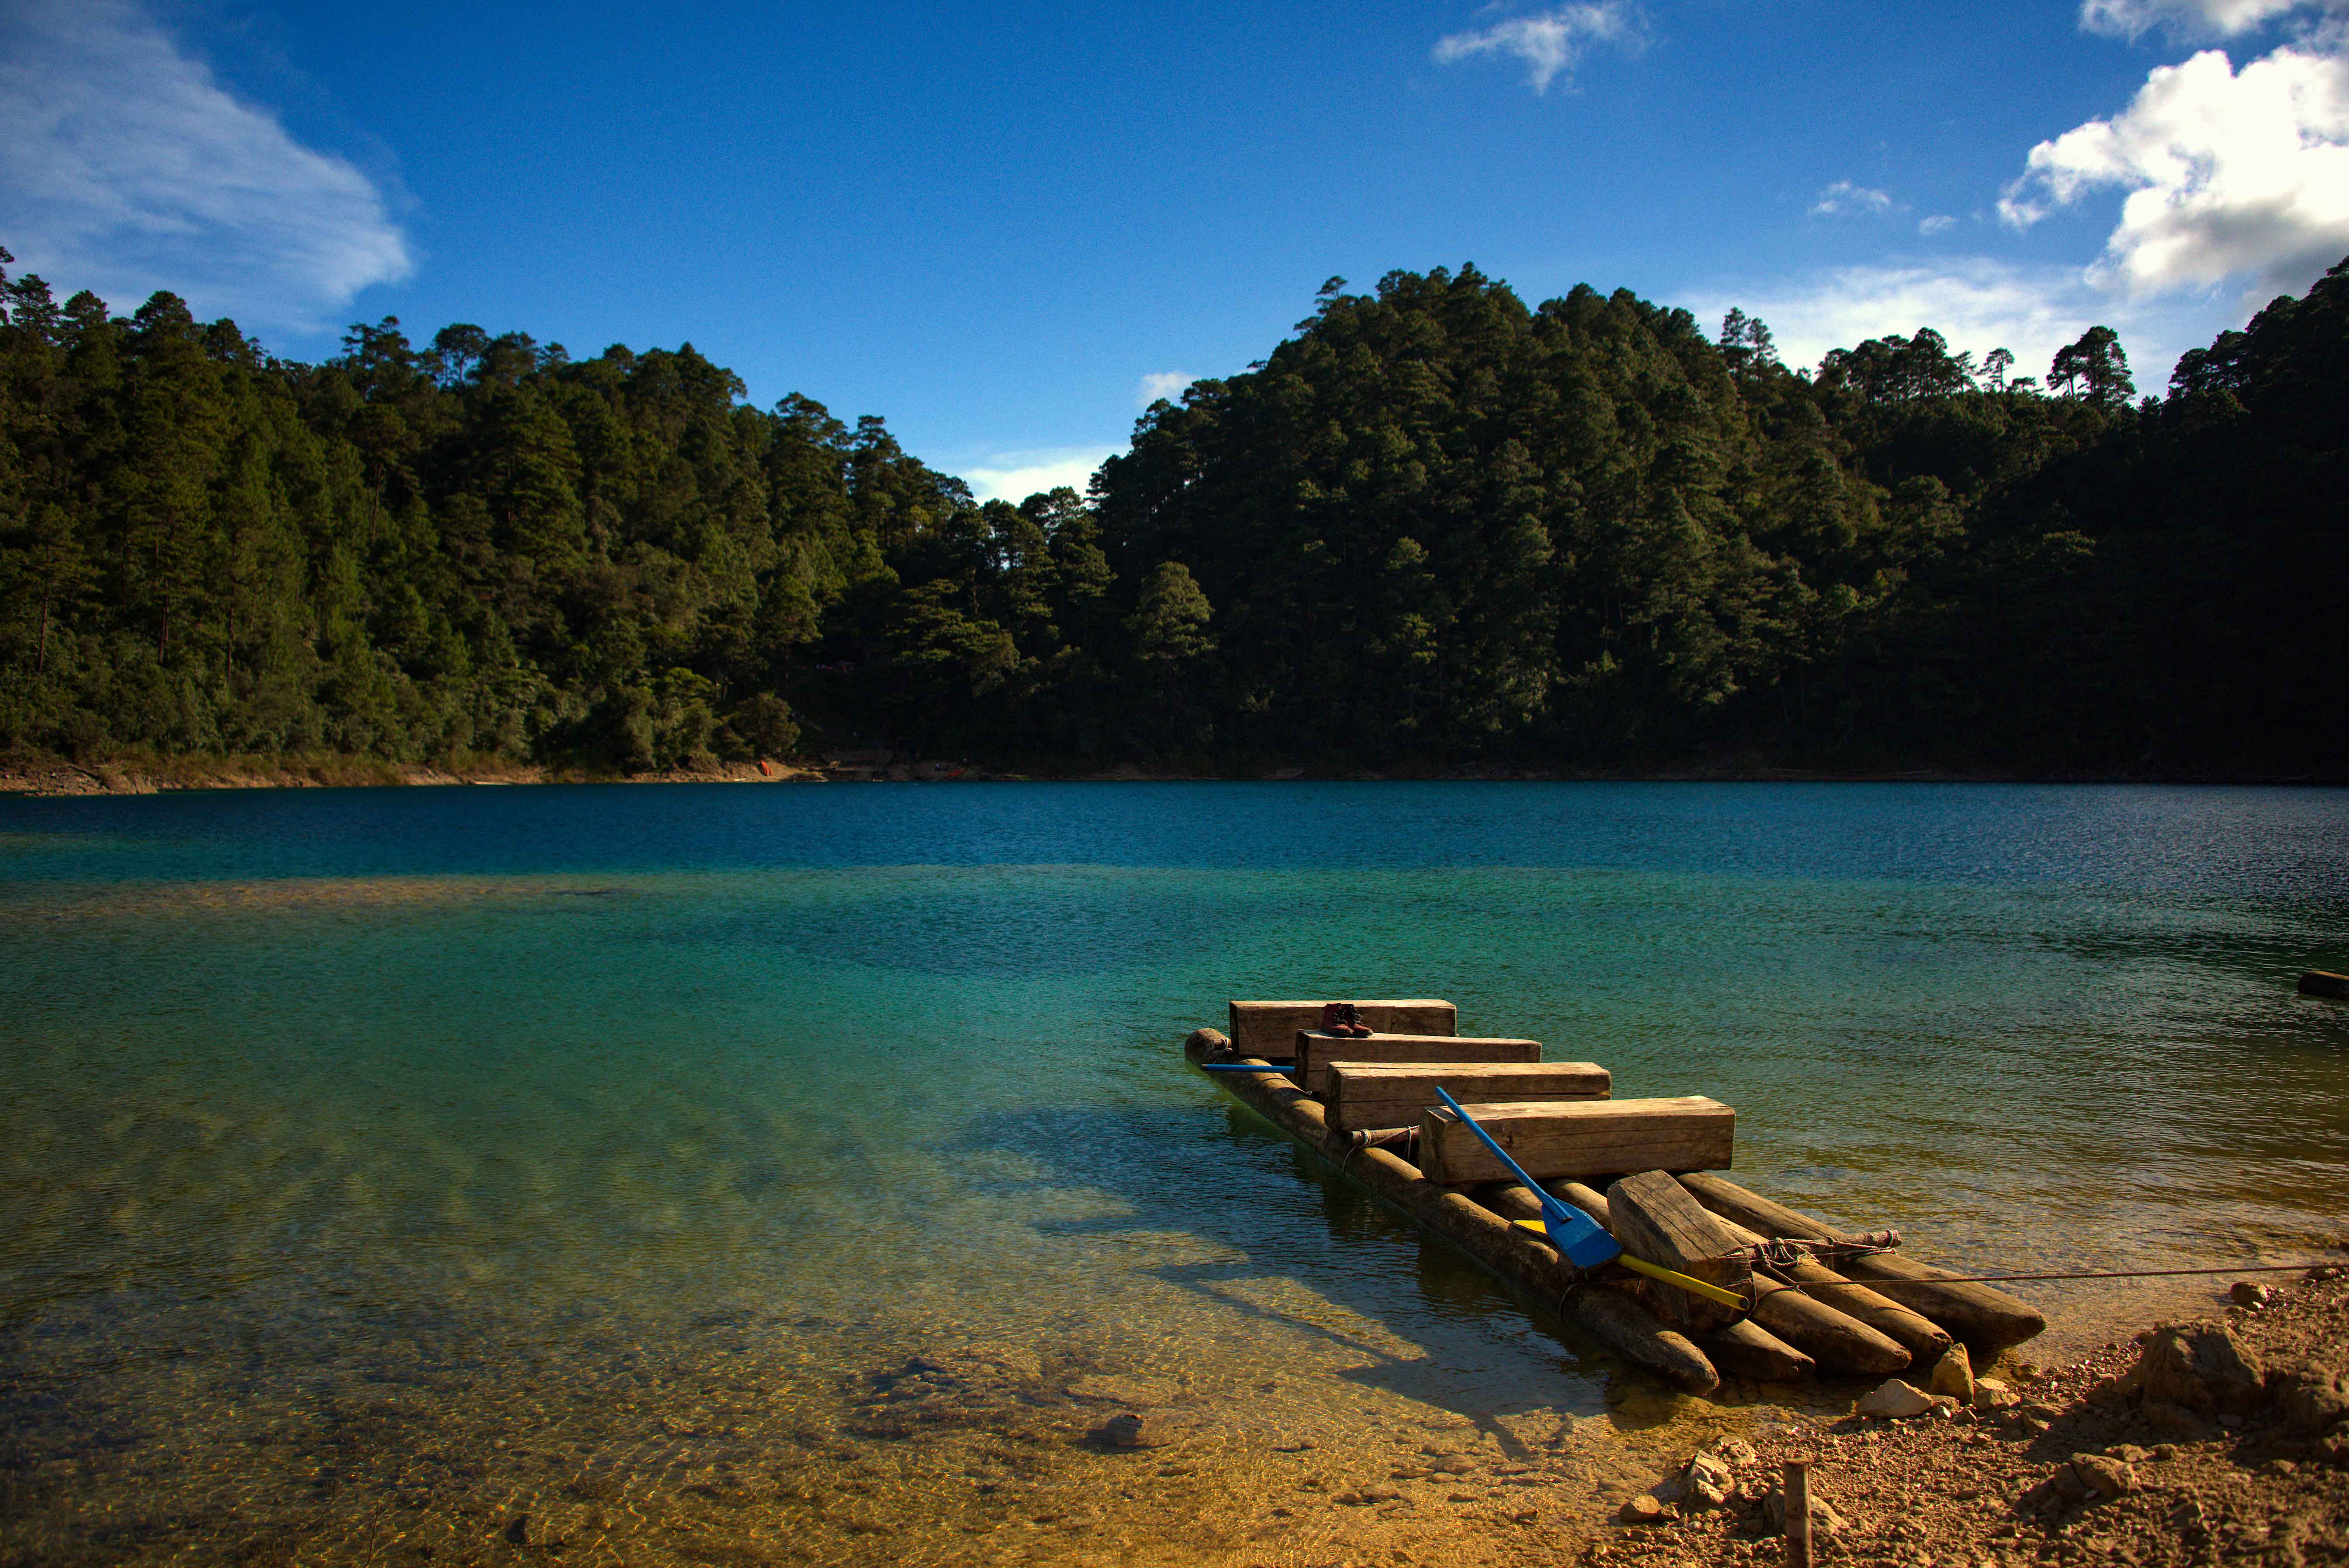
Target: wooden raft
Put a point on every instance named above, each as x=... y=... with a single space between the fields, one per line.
x=1801 y=1316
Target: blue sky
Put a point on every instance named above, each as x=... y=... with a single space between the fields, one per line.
x=1004 y=227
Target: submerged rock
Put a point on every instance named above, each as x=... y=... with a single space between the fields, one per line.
x=1134 y=1431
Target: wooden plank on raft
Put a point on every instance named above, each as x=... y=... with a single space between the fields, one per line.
x=1379 y=1094
x=1267 y=1030
x=1579 y=1137
x=1315 y=1052
x=1655 y=1218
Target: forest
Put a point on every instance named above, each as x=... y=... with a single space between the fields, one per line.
x=1437 y=529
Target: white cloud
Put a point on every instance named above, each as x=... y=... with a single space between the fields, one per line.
x=1845 y=199
x=1167 y=383
x=1016 y=476
x=1551 y=43
x=2193 y=18
x=2229 y=174
x=125 y=167
x=1934 y=225
x=1977 y=303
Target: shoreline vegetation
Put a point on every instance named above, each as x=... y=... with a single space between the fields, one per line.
x=1436 y=530
x=149 y=774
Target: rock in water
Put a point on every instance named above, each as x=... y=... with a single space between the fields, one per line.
x=1134 y=1432
x=1894 y=1401
x=1953 y=1375
x=1643 y=1510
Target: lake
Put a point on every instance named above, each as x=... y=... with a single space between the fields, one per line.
x=738 y=1174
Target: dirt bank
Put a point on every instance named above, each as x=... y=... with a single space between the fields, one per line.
x=2226 y=1440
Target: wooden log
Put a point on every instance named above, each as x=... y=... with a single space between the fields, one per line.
x=1377 y=1094
x=2325 y=983
x=1746 y=1349
x=1658 y=1219
x=1520 y=1260
x=1509 y=1200
x=1579 y=1137
x=1265 y=1029
x=1835 y=1339
x=1314 y=1051
x=1921 y=1336
x=1988 y=1320
x=1753 y=1212
x=1655 y=1218
x=1743 y=1348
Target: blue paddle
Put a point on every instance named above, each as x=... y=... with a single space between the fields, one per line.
x=1570 y=1230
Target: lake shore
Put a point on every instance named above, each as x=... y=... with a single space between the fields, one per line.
x=42 y=775
x=2219 y=1436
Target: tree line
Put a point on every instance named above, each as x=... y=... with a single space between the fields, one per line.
x=1435 y=528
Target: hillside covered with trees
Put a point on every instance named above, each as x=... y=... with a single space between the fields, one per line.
x=1436 y=528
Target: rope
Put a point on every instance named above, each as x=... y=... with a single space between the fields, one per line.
x=2096 y=1273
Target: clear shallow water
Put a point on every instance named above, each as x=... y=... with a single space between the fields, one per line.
x=762 y=1174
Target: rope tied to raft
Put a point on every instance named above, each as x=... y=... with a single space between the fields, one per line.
x=1785 y=1252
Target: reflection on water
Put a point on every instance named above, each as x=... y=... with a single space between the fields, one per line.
x=380 y=1170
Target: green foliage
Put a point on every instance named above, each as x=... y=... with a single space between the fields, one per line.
x=1436 y=526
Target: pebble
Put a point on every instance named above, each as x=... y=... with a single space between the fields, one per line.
x=2105 y=1476
x=1953 y=1375
x=1894 y=1400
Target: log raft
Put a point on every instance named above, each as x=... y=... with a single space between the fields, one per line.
x=1857 y=1310
x=1611 y=1317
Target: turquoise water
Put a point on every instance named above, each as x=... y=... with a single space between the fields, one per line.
x=740 y=1173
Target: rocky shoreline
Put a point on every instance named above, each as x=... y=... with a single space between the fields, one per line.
x=2219 y=1441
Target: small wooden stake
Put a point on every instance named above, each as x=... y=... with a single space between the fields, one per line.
x=1798 y=1513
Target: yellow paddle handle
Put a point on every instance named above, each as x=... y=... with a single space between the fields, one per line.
x=1658 y=1272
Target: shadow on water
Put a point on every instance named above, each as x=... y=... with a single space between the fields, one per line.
x=1268 y=1210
